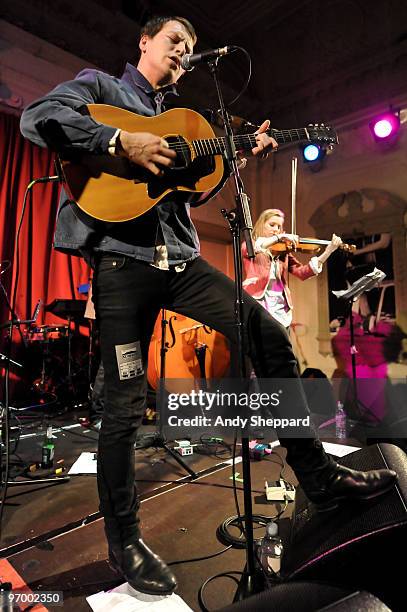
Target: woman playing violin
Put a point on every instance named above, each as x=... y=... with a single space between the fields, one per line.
x=267 y=274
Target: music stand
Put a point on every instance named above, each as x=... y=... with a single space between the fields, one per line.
x=350 y=295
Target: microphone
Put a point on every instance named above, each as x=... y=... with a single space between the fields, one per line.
x=189 y=60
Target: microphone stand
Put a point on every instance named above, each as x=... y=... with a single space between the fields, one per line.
x=240 y=223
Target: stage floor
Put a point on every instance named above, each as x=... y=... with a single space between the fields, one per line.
x=53 y=534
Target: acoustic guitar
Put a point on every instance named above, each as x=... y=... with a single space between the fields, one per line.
x=114 y=189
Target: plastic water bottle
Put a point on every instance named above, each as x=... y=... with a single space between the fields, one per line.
x=271 y=550
x=340 y=421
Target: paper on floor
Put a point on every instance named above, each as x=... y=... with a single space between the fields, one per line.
x=125 y=599
x=85 y=464
x=339 y=450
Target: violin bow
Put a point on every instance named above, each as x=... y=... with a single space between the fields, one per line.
x=294 y=163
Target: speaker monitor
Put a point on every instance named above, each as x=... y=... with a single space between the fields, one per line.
x=308 y=597
x=358 y=545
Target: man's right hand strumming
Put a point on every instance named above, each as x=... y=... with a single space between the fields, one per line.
x=146 y=150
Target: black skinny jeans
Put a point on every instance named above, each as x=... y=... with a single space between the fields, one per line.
x=128 y=296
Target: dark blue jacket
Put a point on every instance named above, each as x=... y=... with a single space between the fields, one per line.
x=58 y=121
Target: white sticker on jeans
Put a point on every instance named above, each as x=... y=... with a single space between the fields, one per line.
x=129 y=360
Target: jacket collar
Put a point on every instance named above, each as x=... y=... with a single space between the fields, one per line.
x=133 y=77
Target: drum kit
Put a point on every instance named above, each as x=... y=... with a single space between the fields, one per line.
x=54 y=358
x=62 y=352
x=58 y=360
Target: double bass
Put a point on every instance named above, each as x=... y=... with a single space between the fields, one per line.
x=192 y=351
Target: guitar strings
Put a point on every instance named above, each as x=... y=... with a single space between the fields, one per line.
x=211 y=144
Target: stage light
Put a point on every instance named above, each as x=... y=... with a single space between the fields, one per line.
x=311 y=152
x=313 y=156
x=385 y=127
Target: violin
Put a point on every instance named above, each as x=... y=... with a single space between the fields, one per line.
x=312 y=246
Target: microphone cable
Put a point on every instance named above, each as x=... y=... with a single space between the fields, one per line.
x=249 y=76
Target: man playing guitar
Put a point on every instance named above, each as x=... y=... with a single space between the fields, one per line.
x=151 y=262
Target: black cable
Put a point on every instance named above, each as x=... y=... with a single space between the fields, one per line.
x=230 y=575
x=211 y=556
x=228 y=539
x=246 y=84
x=214 y=447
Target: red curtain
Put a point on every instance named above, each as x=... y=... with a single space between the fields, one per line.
x=44 y=273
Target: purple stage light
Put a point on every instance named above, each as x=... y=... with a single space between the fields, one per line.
x=385 y=127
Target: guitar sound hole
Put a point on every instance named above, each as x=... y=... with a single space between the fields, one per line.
x=180 y=146
x=181 y=177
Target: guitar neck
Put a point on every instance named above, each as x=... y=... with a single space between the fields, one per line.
x=246 y=142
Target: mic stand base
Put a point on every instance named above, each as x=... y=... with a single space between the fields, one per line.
x=157 y=440
x=249 y=584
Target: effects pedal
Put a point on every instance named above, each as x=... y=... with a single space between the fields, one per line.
x=184 y=448
x=280 y=491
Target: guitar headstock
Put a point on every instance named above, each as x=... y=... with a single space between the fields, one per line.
x=322 y=134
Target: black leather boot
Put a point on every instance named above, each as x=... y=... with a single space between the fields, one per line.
x=326 y=483
x=342 y=484
x=143 y=569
